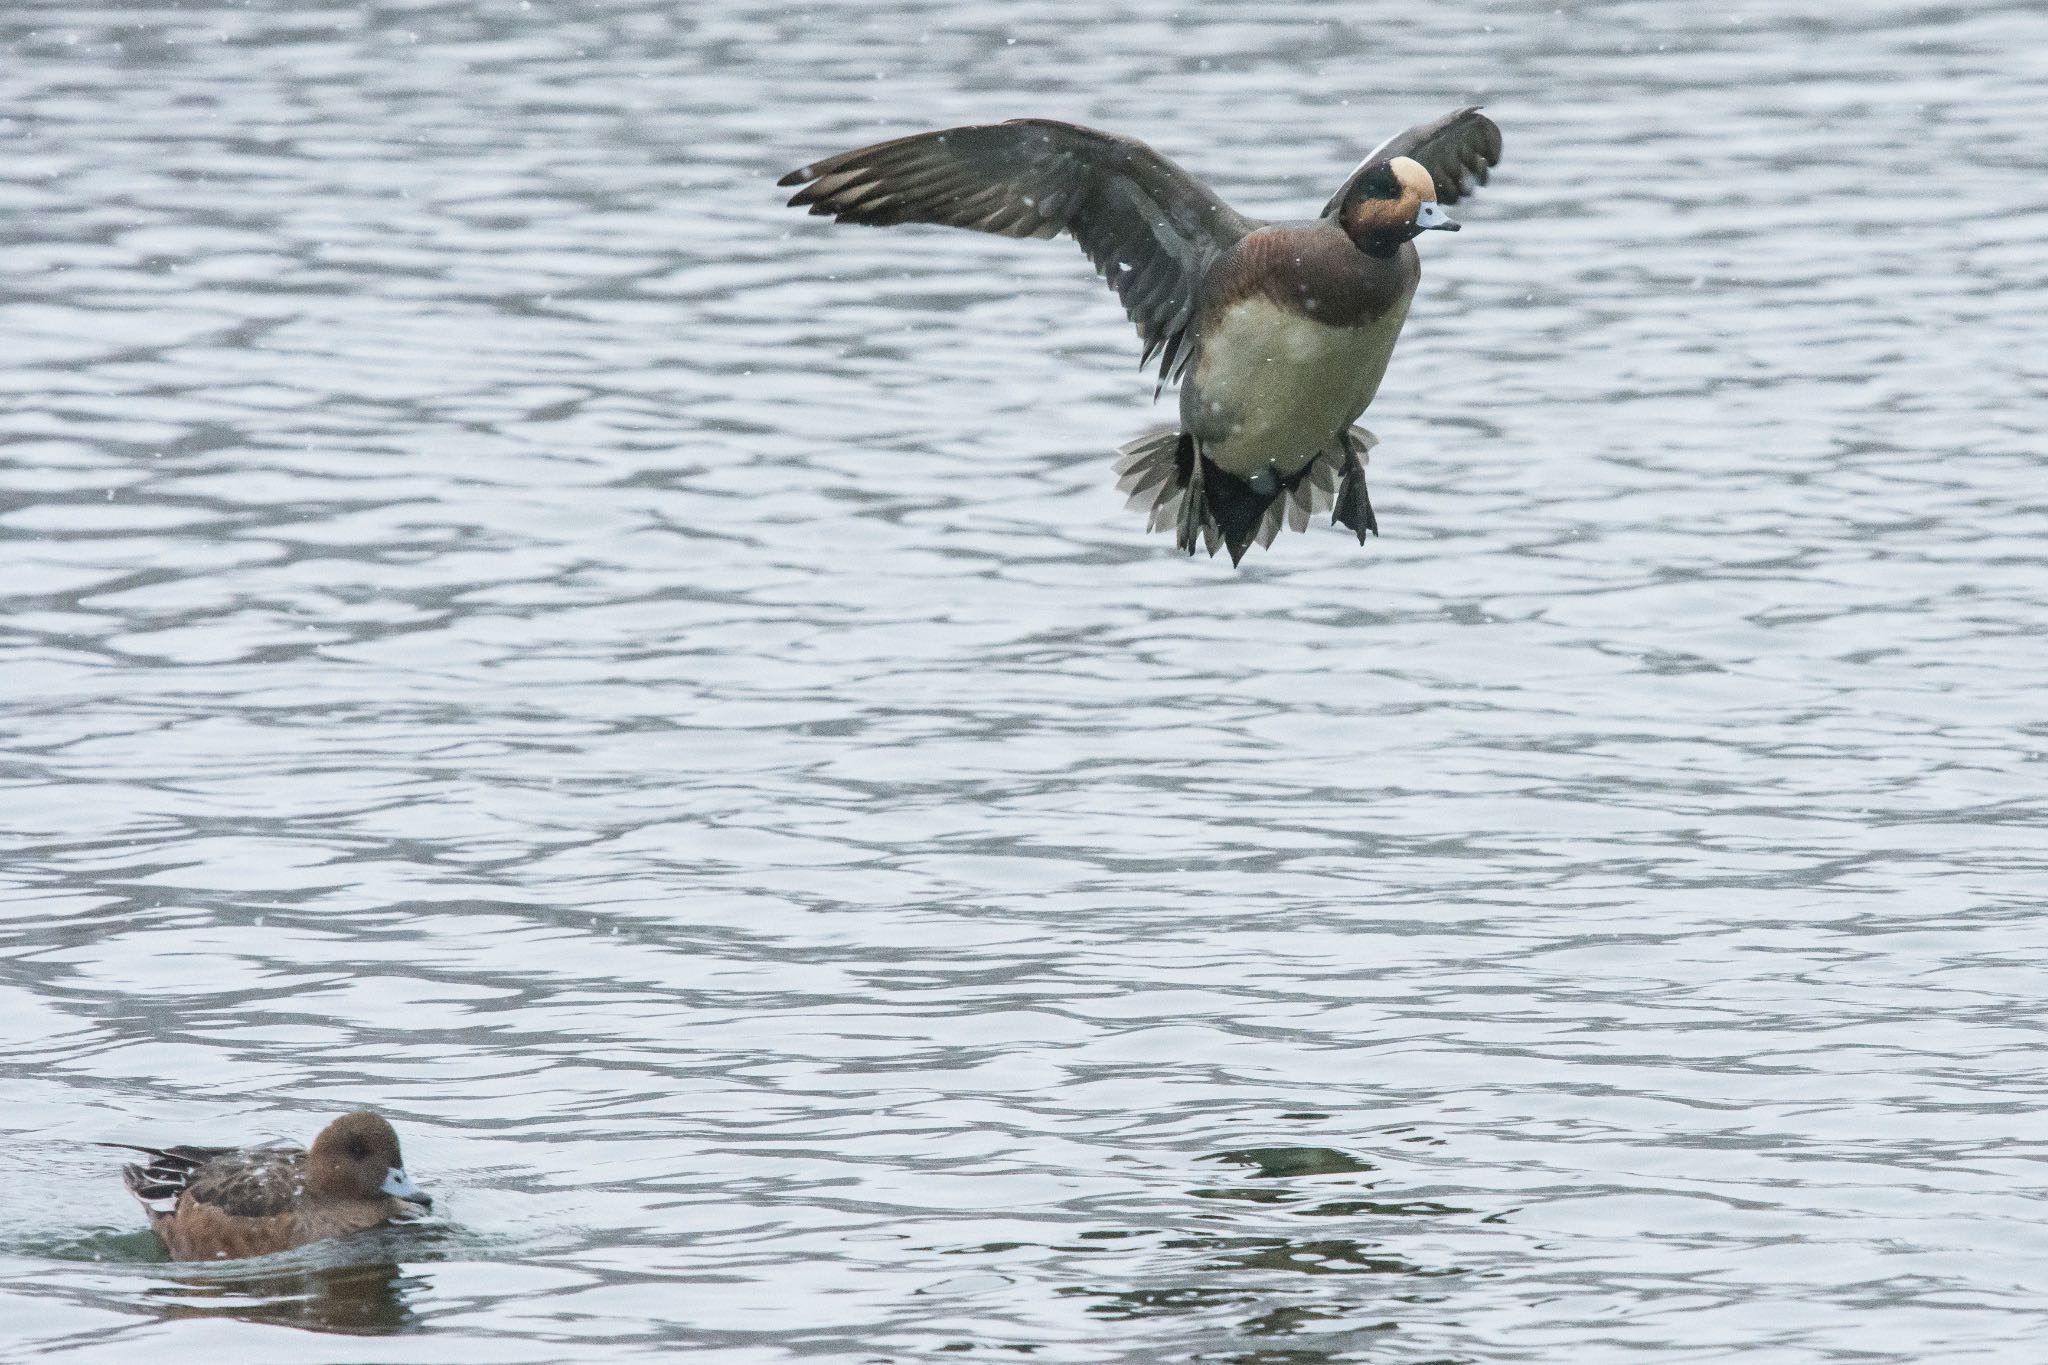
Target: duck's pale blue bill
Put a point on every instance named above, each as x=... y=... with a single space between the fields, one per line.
x=399 y=1185
x=1432 y=215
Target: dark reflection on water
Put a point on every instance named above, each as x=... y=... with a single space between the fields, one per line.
x=1276 y=1163
x=1325 y=1256
x=1313 y=1201
x=1371 y=1208
x=364 y=1300
x=1149 y=1303
x=1228 y=1275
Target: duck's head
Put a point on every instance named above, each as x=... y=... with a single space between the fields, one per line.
x=356 y=1157
x=1392 y=203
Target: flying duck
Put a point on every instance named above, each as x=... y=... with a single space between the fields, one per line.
x=223 y=1203
x=1278 y=332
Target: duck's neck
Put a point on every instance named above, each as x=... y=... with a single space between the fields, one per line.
x=1382 y=245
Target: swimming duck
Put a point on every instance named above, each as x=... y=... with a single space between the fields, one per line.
x=1279 y=333
x=223 y=1203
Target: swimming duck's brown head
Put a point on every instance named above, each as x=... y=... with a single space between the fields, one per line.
x=356 y=1157
x=1390 y=204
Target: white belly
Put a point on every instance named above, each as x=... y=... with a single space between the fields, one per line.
x=1273 y=387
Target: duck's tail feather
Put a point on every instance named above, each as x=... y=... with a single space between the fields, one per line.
x=1154 y=469
x=1176 y=486
x=159 y=1181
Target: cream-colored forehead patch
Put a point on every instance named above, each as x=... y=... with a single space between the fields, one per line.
x=1413 y=175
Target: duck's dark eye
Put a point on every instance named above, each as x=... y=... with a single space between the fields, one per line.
x=357 y=1149
x=1379 y=183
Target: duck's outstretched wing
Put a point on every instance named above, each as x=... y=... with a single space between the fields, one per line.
x=1457 y=150
x=1150 y=227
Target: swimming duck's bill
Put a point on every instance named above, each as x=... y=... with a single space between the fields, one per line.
x=1432 y=215
x=399 y=1185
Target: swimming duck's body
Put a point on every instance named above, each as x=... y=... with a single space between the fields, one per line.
x=225 y=1203
x=1280 y=333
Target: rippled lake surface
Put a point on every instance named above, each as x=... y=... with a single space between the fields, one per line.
x=506 y=623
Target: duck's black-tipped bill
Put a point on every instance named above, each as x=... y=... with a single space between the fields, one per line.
x=1431 y=217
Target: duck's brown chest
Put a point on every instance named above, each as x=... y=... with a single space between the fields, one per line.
x=1292 y=346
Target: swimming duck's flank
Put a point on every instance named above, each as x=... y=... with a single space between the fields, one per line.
x=1278 y=332
x=223 y=1203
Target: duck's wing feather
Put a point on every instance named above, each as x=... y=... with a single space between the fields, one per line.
x=254 y=1182
x=245 y=1181
x=1458 y=150
x=1150 y=228
x=162 y=1177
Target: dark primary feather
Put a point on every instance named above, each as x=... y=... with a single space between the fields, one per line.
x=1457 y=150
x=163 y=1177
x=258 y=1182
x=1148 y=226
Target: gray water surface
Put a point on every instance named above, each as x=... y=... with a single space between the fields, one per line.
x=506 y=623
